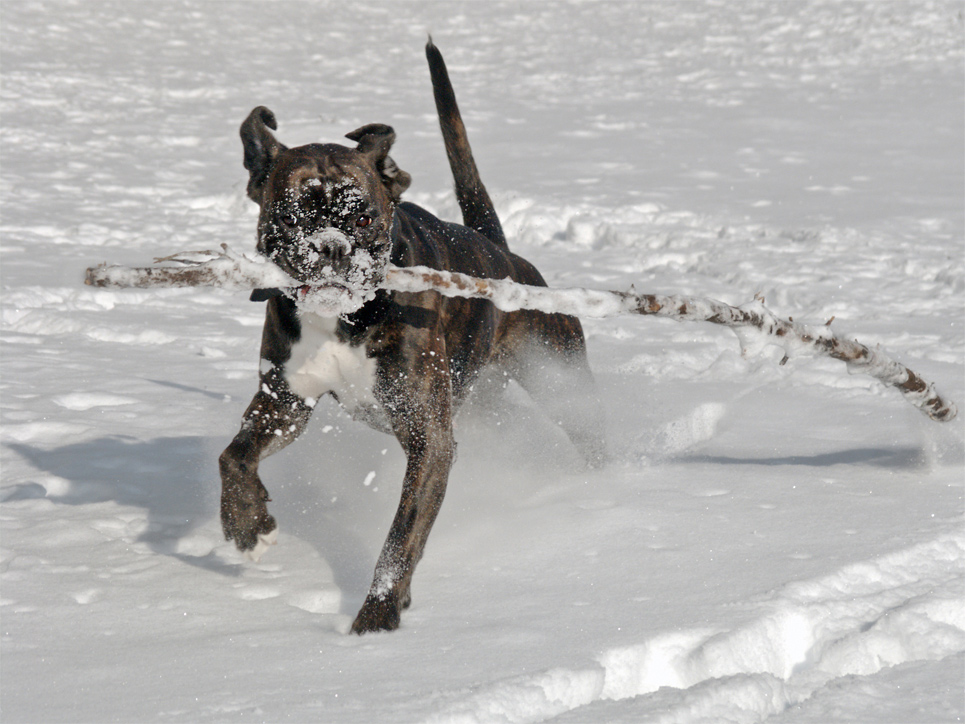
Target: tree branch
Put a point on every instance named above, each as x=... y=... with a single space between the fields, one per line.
x=754 y=324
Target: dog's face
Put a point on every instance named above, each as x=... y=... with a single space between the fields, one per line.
x=325 y=217
x=326 y=210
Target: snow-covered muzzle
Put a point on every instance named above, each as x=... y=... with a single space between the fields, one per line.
x=339 y=277
x=332 y=294
x=328 y=237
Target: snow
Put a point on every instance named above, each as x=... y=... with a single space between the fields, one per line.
x=265 y=541
x=768 y=543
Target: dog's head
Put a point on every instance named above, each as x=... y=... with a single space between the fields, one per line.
x=326 y=209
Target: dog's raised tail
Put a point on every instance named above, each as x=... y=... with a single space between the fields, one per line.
x=477 y=208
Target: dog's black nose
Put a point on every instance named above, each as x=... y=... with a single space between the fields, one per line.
x=332 y=244
x=331 y=252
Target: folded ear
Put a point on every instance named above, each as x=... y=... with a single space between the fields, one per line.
x=261 y=149
x=374 y=141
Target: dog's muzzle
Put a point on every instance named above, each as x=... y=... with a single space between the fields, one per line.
x=323 y=255
x=339 y=277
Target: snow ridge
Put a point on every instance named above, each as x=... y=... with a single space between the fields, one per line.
x=901 y=607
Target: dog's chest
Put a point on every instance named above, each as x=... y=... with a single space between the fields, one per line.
x=320 y=363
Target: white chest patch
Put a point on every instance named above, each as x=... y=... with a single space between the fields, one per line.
x=320 y=363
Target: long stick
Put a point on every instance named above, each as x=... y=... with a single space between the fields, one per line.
x=795 y=338
x=225 y=270
x=230 y=270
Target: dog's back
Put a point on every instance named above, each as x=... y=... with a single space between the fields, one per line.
x=478 y=211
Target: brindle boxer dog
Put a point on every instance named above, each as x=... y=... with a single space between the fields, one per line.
x=331 y=217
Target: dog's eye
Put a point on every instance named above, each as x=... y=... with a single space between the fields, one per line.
x=363 y=221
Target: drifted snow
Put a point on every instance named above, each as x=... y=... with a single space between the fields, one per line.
x=778 y=543
x=855 y=622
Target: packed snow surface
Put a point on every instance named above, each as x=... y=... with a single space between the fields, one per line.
x=767 y=543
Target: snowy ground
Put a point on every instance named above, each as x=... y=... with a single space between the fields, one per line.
x=768 y=543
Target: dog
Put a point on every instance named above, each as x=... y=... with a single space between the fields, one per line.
x=332 y=217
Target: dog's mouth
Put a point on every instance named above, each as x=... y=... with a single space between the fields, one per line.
x=330 y=299
x=305 y=290
x=331 y=284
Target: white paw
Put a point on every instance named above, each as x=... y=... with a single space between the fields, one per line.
x=265 y=540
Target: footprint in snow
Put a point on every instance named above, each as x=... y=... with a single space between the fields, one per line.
x=694 y=428
x=88 y=596
x=316 y=601
x=80 y=401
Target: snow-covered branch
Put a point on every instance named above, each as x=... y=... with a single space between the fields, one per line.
x=755 y=325
x=747 y=322
x=223 y=269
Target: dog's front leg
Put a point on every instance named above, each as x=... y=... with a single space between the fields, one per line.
x=421 y=416
x=275 y=417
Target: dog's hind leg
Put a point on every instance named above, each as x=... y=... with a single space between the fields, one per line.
x=557 y=376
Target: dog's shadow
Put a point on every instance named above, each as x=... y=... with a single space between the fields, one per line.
x=171 y=478
x=336 y=488
x=318 y=488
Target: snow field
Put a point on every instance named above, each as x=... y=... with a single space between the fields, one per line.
x=857 y=621
x=769 y=543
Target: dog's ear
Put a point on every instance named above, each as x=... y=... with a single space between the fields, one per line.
x=261 y=149
x=374 y=141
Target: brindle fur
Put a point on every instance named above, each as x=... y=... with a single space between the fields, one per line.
x=428 y=349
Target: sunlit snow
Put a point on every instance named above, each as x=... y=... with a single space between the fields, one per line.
x=767 y=543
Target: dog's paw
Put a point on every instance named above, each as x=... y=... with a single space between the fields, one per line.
x=265 y=541
x=244 y=516
x=377 y=614
x=246 y=528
